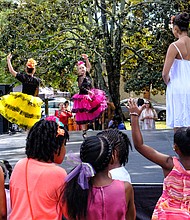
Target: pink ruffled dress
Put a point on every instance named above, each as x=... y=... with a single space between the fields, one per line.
x=88 y=105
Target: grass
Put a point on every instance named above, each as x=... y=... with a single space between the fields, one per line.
x=159 y=125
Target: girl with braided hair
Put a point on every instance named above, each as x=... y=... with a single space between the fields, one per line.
x=36 y=180
x=174 y=203
x=89 y=193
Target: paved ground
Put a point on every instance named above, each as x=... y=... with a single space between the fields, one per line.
x=12 y=148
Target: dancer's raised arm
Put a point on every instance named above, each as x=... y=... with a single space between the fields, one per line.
x=11 y=70
x=88 y=65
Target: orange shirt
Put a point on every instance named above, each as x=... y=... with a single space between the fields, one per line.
x=44 y=184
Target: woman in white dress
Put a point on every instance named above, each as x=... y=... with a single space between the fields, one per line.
x=148 y=116
x=176 y=74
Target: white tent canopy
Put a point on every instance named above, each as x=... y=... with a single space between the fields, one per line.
x=46 y=92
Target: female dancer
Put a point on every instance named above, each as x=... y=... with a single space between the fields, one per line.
x=90 y=103
x=23 y=108
x=176 y=74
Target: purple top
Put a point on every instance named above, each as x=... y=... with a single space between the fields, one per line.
x=107 y=202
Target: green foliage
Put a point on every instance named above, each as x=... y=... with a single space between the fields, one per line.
x=145 y=46
x=45 y=32
x=129 y=37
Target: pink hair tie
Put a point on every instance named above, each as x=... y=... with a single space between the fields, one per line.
x=80 y=63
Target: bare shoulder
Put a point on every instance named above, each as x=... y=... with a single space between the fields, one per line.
x=168 y=166
x=128 y=188
x=172 y=49
x=129 y=193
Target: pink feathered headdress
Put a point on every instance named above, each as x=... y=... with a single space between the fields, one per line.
x=80 y=63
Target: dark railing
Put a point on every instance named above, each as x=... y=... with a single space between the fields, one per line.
x=146 y=197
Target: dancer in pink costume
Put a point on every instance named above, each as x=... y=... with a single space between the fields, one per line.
x=89 y=103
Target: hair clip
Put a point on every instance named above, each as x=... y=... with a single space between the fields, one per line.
x=60 y=131
x=31 y=63
x=55 y=119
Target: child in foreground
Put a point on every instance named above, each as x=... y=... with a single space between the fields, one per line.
x=36 y=180
x=174 y=202
x=3 y=207
x=89 y=193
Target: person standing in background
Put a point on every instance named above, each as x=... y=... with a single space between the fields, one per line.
x=108 y=113
x=67 y=107
x=148 y=116
x=176 y=74
x=63 y=114
x=140 y=104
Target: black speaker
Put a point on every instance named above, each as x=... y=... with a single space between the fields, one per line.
x=5 y=89
x=4 y=125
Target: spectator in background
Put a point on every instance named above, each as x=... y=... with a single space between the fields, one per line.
x=63 y=114
x=67 y=107
x=148 y=116
x=140 y=104
x=90 y=127
x=108 y=114
x=117 y=122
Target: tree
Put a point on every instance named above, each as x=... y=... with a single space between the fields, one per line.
x=129 y=37
x=146 y=44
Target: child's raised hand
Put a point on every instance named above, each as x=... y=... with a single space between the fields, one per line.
x=84 y=56
x=133 y=108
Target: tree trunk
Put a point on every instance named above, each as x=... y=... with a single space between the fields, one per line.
x=112 y=48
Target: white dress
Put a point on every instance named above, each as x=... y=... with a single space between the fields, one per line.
x=148 y=124
x=178 y=94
